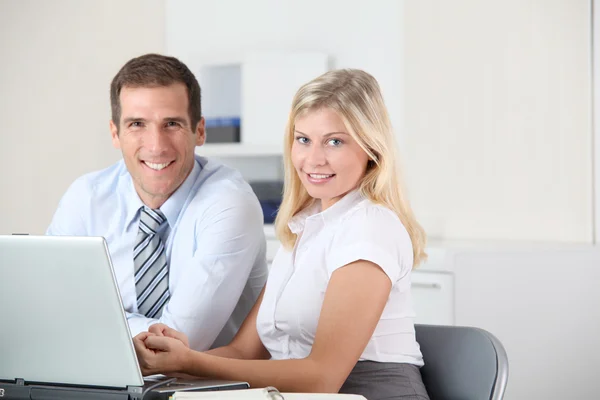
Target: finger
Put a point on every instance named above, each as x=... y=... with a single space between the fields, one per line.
x=139 y=342
x=146 y=358
x=158 y=329
x=160 y=343
x=140 y=347
x=142 y=336
x=170 y=332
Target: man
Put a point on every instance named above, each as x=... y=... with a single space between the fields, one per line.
x=185 y=233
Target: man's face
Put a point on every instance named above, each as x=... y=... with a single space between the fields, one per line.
x=157 y=140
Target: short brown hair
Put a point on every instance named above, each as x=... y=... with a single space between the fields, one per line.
x=151 y=70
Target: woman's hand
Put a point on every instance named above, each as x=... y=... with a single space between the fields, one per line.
x=165 y=330
x=160 y=354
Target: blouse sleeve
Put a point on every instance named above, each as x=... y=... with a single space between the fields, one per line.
x=373 y=234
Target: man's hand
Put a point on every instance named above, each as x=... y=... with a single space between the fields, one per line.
x=164 y=330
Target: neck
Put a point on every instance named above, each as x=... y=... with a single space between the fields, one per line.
x=153 y=202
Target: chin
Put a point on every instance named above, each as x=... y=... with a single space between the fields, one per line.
x=318 y=194
x=158 y=191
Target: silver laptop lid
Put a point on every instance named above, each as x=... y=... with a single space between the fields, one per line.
x=61 y=316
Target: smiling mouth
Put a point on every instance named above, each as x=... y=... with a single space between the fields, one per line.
x=320 y=176
x=157 y=166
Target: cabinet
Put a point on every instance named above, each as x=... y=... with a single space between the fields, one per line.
x=433 y=297
x=264 y=91
x=433 y=288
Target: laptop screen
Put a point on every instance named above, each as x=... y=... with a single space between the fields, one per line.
x=61 y=315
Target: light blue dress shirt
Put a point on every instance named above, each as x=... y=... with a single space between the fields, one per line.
x=214 y=241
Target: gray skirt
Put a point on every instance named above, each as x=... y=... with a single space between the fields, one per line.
x=385 y=381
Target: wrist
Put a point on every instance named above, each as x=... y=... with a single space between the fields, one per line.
x=187 y=361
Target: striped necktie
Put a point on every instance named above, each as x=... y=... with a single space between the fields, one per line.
x=150 y=265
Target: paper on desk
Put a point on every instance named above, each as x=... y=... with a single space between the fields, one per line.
x=261 y=394
x=322 y=396
x=249 y=394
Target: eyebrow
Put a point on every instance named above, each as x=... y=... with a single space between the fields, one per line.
x=325 y=135
x=181 y=120
x=133 y=119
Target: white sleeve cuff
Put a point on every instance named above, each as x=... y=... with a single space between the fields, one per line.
x=368 y=252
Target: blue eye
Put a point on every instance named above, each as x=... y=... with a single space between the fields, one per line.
x=302 y=140
x=335 y=142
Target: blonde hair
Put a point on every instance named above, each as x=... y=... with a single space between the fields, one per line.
x=356 y=97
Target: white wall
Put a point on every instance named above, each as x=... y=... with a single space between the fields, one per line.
x=596 y=116
x=491 y=100
x=493 y=96
x=355 y=34
x=498 y=132
x=58 y=58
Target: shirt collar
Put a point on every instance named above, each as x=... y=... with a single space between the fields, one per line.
x=332 y=214
x=172 y=207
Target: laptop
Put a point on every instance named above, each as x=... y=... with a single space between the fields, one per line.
x=63 y=330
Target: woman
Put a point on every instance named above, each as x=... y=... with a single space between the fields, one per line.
x=336 y=312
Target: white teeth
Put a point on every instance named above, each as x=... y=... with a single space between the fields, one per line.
x=157 y=167
x=320 y=176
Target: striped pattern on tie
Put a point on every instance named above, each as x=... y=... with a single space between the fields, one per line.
x=151 y=271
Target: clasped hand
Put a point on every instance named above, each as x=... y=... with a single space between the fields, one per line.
x=161 y=350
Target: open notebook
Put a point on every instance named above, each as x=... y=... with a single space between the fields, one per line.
x=269 y=393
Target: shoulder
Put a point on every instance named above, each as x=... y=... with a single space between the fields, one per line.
x=220 y=188
x=222 y=178
x=371 y=217
x=374 y=226
x=101 y=182
x=90 y=197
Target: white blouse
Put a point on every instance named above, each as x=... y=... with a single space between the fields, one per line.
x=352 y=229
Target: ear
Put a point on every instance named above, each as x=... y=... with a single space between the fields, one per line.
x=114 y=133
x=201 y=132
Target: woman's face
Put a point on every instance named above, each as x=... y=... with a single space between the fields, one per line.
x=329 y=162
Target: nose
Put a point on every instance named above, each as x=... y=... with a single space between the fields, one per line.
x=156 y=140
x=316 y=156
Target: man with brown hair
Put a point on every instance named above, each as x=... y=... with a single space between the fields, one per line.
x=185 y=233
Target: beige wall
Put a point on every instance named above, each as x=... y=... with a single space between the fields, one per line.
x=57 y=60
x=497 y=135
x=497 y=109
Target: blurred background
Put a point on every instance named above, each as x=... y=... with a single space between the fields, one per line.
x=492 y=102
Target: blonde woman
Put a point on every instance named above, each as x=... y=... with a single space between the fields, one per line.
x=336 y=313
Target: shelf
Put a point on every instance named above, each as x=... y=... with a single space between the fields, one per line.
x=238 y=150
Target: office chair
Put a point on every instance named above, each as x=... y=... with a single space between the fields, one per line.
x=462 y=363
